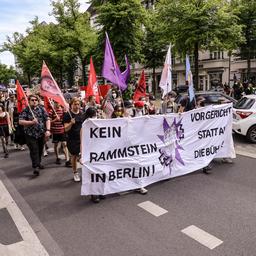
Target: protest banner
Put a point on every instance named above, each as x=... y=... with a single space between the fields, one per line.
x=129 y=153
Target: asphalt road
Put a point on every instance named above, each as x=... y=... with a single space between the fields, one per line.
x=222 y=204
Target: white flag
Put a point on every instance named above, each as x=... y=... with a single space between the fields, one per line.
x=166 y=78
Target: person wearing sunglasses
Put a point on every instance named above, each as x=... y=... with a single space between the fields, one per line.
x=36 y=124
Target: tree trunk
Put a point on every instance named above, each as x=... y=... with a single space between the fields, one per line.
x=29 y=79
x=154 y=81
x=61 y=77
x=248 y=65
x=196 y=49
x=229 y=65
x=83 y=71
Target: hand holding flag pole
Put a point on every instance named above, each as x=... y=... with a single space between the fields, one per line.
x=52 y=106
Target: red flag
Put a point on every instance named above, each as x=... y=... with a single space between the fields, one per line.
x=47 y=104
x=141 y=88
x=49 y=87
x=22 y=101
x=92 y=88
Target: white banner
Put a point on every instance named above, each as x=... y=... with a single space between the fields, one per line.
x=129 y=153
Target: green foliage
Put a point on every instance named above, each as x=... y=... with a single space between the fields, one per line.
x=123 y=21
x=76 y=32
x=127 y=95
x=247 y=15
x=154 y=44
x=6 y=74
x=62 y=46
x=199 y=24
x=209 y=22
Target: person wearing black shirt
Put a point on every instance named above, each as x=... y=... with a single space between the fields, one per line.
x=73 y=121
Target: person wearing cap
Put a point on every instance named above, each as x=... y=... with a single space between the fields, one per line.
x=139 y=108
x=128 y=109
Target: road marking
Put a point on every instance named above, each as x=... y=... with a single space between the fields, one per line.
x=30 y=246
x=152 y=208
x=202 y=237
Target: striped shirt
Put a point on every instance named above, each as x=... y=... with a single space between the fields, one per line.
x=57 y=127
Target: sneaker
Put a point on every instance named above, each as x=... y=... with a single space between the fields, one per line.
x=36 y=172
x=227 y=161
x=206 y=170
x=57 y=161
x=6 y=155
x=143 y=191
x=76 y=177
x=95 y=199
x=68 y=164
x=41 y=166
x=45 y=153
x=22 y=148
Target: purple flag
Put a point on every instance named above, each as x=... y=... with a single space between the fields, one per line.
x=111 y=70
x=126 y=73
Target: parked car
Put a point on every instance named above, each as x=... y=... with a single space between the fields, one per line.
x=244 y=117
x=211 y=97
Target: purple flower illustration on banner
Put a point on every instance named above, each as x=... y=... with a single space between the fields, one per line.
x=173 y=134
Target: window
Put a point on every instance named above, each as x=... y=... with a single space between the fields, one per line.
x=244 y=103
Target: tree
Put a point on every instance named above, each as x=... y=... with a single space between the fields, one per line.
x=123 y=21
x=6 y=74
x=22 y=48
x=195 y=25
x=247 y=15
x=76 y=32
x=154 y=45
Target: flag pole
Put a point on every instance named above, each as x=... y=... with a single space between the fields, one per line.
x=28 y=104
x=53 y=107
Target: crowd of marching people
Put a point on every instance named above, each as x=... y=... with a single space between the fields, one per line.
x=33 y=119
x=38 y=122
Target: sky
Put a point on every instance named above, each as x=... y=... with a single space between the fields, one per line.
x=15 y=16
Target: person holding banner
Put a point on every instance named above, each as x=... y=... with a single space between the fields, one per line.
x=91 y=112
x=36 y=124
x=73 y=121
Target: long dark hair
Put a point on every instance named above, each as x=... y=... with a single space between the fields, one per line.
x=90 y=113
